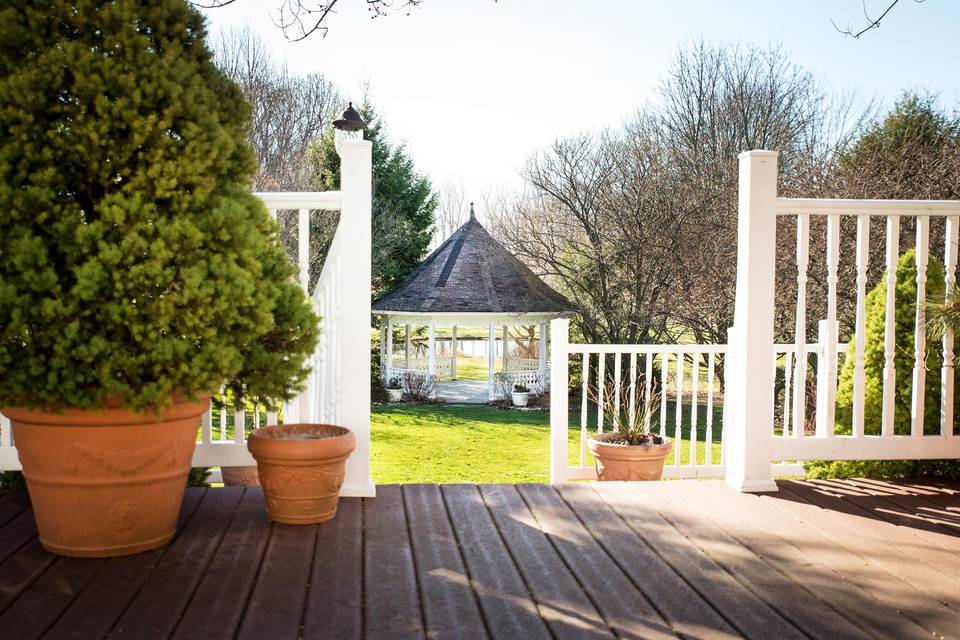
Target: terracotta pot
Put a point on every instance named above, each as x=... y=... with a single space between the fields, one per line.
x=240 y=476
x=106 y=482
x=301 y=469
x=625 y=462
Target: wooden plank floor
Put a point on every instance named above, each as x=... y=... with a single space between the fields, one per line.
x=818 y=559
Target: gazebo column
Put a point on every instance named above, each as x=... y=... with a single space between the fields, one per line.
x=453 y=356
x=406 y=346
x=491 y=359
x=383 y=352
x=542 y=354
x=388 y=368
x=432 y=347
x=506 y=349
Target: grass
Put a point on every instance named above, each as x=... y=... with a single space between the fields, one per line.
x=474 y=367
x=443 y=444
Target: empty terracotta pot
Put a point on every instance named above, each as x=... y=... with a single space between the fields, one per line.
x=301 y=468
x=627 y=462
x=106 y=482
x=239 y=476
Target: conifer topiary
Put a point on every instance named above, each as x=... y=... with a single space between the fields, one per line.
x=134 y=261
x=874 y=357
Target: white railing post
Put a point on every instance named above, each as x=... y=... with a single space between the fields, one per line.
x=559 y=412
x=747 y=439
x=356 y=186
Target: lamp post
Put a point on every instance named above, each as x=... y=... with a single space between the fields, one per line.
x=349 y=126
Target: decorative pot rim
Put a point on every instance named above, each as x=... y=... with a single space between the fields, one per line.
x=111 y=414
x=598 y=445
x=269 y=444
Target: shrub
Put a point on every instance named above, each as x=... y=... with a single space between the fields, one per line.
x=521 y=388
x=419 y=386
x=874 y=323
x=134 y=261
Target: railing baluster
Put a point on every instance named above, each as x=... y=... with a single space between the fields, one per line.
x=223 y=414
x=303 y=249
x=648 y=383
x=787 y=375
x=5 y=428
x=583 y=409
x=678 y=411
x=800 y=328
x=890 y=325
x=946 y=371
x=206 y=426
x=694 y=382
x=919 y=333
x=859 y=374
x=616 y=387
x=239 y=421
x=708 y=440
x=601 y=383
x=633 y=388
x=664 y=372
x=830 y=390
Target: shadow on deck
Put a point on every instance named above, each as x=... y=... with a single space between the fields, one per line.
x=823 y=559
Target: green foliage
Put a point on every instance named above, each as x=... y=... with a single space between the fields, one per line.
x=874 y=321
x=403 y=201
x=134 y=261
x=198 y=477
x=12 y=481
x=884 y=469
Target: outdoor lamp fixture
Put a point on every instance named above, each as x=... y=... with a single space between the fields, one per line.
x=348 y=127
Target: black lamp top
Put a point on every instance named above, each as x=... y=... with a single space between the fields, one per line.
x=350 y=120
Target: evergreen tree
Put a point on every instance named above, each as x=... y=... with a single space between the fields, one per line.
x=134 y=260
x=403 y=201
x=874 y=359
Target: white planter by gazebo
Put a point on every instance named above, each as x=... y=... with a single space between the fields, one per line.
x=471 y=280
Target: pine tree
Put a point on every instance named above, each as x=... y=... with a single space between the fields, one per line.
x=403 y=202
x=134 y=261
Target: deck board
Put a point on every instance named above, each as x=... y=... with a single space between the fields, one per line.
x=507 y=605
x=449 y=606
x=818 y=559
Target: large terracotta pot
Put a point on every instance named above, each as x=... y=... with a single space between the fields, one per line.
x=301 y=468
x=625 y=462
x=106 y=482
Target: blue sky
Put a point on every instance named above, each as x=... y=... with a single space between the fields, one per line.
x=473 y=86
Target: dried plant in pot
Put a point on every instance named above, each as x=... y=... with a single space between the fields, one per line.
x=139 y=273
x=630 y=450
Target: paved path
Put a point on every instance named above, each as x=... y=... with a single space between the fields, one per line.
x=463 y=392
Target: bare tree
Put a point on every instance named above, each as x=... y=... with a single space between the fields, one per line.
x=289 y=112
x=298 y=19
x=452 y=211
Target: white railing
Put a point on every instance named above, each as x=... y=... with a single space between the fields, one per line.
x=523 y=364
x=673 y=387
x=338 y=388
x=532 y=379
x=442 y=367
x=752 y=443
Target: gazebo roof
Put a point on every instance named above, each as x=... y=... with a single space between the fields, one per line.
x=472 y=273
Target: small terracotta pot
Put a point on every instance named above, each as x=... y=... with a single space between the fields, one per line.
x=106 y=482
x=627 y=462
x=301 y=469
x=240 y=476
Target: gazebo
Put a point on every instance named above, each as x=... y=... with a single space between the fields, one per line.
x=470 y=280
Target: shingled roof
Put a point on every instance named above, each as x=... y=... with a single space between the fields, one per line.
x=473 y=273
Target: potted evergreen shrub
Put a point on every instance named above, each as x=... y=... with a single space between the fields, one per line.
x=520 y=395
x=137 y=272
x=630 y=450
x=394 y=389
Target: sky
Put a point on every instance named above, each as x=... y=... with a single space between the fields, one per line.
x=472 y=87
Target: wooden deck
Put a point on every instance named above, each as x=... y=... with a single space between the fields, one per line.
x=851 y=559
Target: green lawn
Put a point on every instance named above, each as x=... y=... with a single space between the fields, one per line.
x=475 y=367
x=437 y=443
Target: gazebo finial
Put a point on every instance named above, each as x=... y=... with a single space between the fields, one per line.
x=473 y=216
